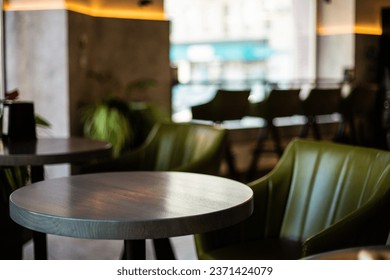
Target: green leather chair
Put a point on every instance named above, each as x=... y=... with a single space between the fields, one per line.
x=321 y=196
x=184 y=147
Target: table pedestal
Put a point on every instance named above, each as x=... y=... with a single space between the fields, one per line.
x=135 y=250
x=40 y=239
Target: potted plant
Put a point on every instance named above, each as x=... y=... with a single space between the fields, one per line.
x=114 y=119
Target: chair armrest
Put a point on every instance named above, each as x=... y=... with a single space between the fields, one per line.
x=367 y=226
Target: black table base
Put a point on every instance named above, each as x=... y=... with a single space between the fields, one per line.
x=134 y=250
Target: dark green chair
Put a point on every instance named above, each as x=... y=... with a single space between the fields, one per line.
x=183 y=147
x=321 y=196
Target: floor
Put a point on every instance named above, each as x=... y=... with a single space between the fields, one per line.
x=65 y=248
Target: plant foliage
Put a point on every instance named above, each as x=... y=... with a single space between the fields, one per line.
x=109 y=120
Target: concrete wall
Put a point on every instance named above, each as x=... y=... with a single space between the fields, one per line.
x=335 y=39
x=50 y=53
x=334 y=54
x=37 y=63
x=122 y=51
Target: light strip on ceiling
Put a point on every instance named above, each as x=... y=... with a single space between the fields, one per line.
x=126 y=13
x=345 y=30
x=368 y=30
x=43 y=5
x=115 y=13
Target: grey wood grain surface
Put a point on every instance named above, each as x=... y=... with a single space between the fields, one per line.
x=131 y=205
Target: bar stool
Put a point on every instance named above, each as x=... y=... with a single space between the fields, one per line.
x=226 y=105
x=279 y=103
x=320 y=102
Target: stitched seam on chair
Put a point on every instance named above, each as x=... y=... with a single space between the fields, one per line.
x=293 y=176
x=381 y=177
x=291 y=190
x=365 y=186
x=308 y=198
x=338 y=191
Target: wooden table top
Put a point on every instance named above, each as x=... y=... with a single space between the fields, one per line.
x=52 y=151
x=131 y=205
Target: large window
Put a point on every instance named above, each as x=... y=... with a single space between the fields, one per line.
x=238 y=44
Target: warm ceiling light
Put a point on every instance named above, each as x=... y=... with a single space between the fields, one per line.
x=357 y=29
x=368 y=30
x=34 y=5
x=90 y=9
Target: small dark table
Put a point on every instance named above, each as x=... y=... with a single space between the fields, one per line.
x=50 y=151
x=131 y=206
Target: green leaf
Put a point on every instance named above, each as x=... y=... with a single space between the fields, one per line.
x=109 y=121
x=41 y=121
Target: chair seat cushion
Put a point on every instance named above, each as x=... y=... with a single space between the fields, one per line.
x=268 y=249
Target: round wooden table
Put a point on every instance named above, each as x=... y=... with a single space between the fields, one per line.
x=131 y=206
x=43 y=151
x=51 y=151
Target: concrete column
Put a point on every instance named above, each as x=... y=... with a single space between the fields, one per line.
x=50 y=54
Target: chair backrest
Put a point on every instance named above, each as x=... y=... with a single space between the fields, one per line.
x=184 y=147
x=283 y=103
x=318 y=184
x=322 y=101
x=226 y=105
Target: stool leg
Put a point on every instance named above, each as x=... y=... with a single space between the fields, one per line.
x=256 y=152
x=316 y=129
x=277 y=142
x=230 y=160
x=305 y=128
x=310 y=123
